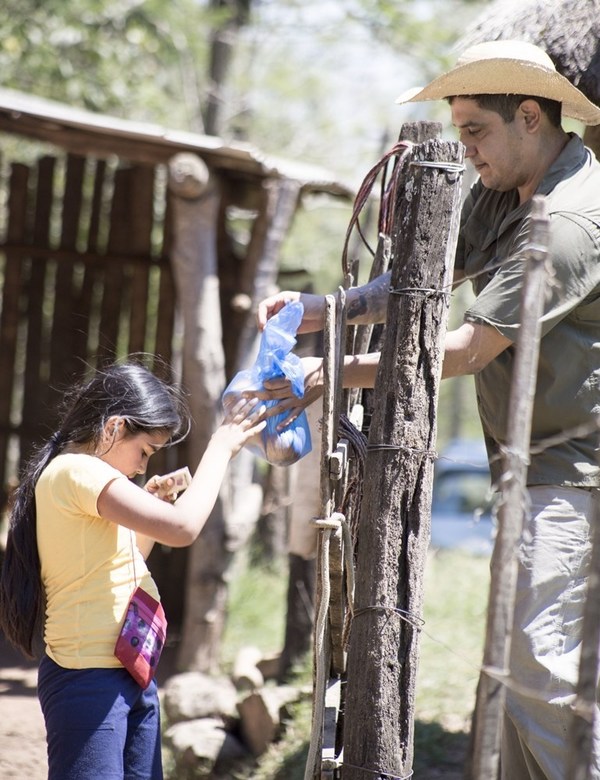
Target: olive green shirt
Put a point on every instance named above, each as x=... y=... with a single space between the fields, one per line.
x=493 y=232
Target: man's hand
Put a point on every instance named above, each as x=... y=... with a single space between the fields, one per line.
x=281 y=390
x=314 y=309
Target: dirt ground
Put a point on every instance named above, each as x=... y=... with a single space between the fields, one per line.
x=22 y=732
x=23 y=738
x=22 y=735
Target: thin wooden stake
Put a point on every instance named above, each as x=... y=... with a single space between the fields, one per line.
x=491 y=690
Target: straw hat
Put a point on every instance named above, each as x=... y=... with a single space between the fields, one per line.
x=507 y=67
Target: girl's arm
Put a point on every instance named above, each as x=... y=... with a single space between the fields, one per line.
x=178 y=524
x=144 y=544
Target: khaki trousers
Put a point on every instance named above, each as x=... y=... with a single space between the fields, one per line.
x=554 y=559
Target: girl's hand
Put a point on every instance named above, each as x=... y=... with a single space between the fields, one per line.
x=168 y=486
x=243 y=420
x=152 y=487
x=159 y=491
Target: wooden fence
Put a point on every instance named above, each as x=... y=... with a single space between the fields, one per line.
x=85 y=274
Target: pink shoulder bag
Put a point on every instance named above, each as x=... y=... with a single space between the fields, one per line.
x=142 y=635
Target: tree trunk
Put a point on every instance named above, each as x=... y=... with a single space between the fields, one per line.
x=195 y=201
x=221 y=48
x=396 y=509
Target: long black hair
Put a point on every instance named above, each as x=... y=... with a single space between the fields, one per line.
x=145 y=403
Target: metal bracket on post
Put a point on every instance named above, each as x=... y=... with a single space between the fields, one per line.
x=338 y=460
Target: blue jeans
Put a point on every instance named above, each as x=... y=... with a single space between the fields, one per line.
x=554 y=560
x=100 y=724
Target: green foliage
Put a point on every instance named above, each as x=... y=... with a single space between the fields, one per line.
x=257 y=600
x=310 y=81
x=317 y=81
x=135 y=58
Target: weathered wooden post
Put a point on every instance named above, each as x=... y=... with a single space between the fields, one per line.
x=395 y=519
x=195 y=201
x=515 y=457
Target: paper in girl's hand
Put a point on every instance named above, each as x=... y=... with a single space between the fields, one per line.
x=181 y=479
x=274 y=361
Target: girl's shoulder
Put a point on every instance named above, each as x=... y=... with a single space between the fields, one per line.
x=79 y=468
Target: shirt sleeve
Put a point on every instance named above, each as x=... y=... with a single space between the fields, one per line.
x=87 y=478
x=573 y=277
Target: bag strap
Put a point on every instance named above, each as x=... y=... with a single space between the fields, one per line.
x=133 y=558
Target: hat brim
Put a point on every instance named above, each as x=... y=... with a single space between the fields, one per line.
x=501 y=76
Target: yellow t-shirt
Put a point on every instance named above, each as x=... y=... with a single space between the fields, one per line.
x=87 y=567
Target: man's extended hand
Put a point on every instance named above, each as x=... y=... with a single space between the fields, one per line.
x=281 y=390
x=314 y=309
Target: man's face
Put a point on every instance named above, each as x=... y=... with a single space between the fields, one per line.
x=499 y=151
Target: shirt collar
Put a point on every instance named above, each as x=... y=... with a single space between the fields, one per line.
x=568 y=162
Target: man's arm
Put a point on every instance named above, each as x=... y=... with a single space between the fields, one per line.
x=365 y=304
x=470 y=348
x=467 y=350
x=368 y=304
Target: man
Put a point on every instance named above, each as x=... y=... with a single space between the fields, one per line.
x=506 y=99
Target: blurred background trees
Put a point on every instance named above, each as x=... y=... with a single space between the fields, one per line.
x=302 y=79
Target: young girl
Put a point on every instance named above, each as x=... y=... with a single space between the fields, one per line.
x=80 y=531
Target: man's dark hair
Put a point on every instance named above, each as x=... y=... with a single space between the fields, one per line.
x=507 y=105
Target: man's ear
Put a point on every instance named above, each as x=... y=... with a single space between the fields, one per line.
x=532 y=113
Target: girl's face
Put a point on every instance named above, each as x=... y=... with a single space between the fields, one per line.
x=129 y=453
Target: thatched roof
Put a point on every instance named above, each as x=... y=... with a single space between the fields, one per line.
x=84 y=132
x=568 y=30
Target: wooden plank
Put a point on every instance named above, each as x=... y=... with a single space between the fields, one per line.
x=85 y=312
x=165 y=315
x=113 y=292
x=63 y=357
x=35 y=380
x=9 y=319
x=333 y=702
x=321 y=634
x=141 y=223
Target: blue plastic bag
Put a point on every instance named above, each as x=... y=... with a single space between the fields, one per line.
x=275 y=360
